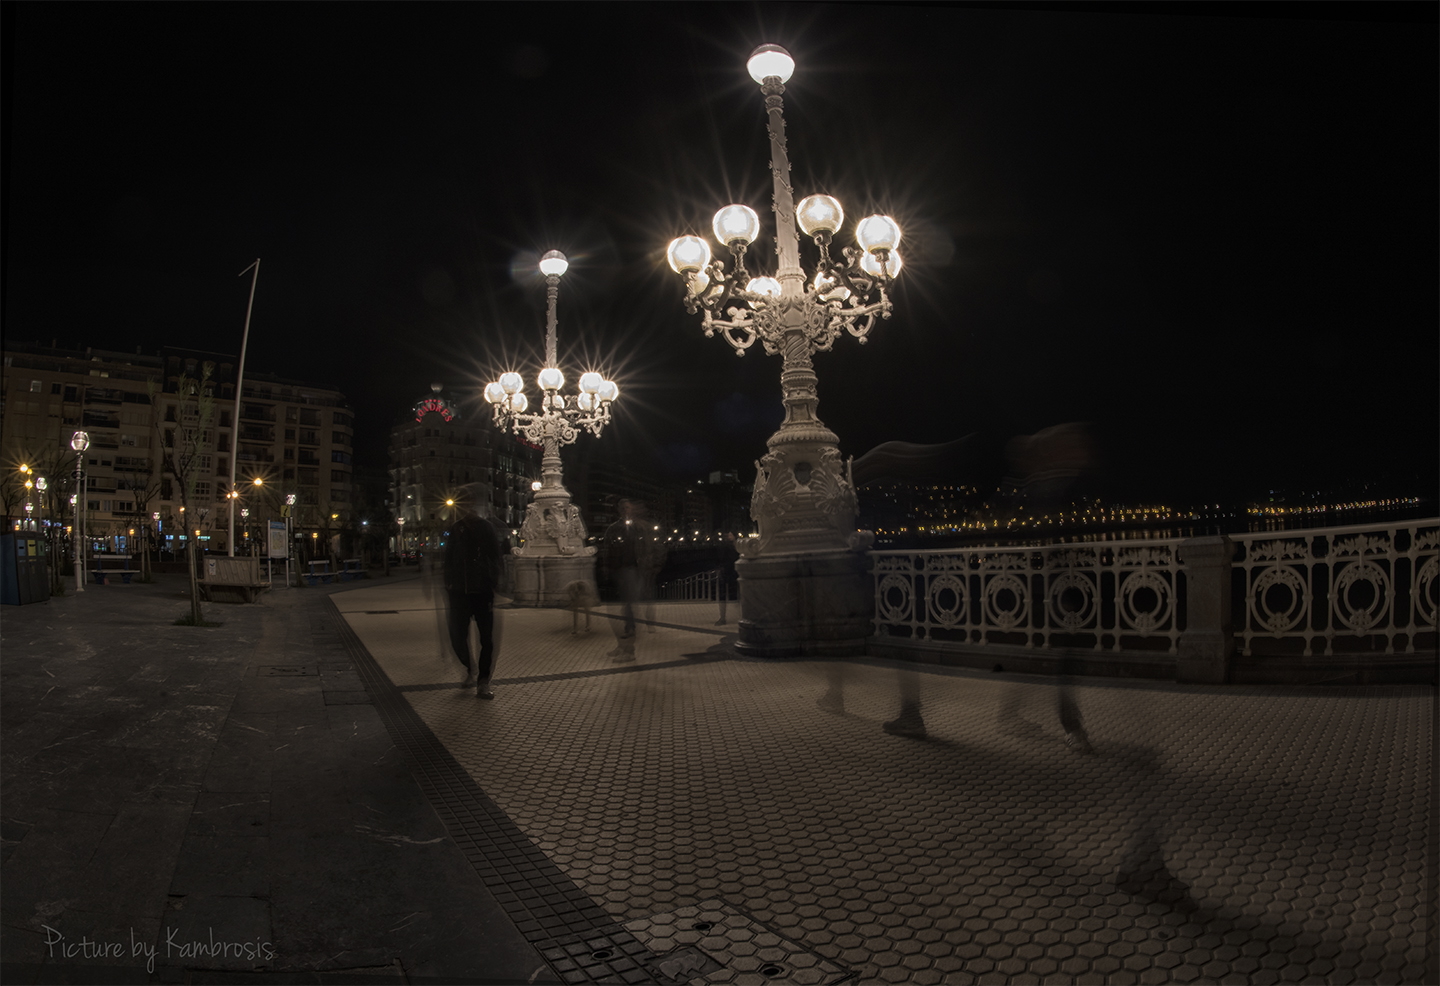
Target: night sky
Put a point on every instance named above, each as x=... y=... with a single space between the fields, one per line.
x=1209 y=231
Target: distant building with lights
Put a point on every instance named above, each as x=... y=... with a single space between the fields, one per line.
x=438 y=455
x=295 y=437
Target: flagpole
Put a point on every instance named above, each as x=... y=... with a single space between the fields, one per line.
x=239 y=384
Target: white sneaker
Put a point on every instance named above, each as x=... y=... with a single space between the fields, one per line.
x=483 y=690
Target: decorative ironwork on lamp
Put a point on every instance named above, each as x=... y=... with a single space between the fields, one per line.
x=804 y=498
x=553 y=524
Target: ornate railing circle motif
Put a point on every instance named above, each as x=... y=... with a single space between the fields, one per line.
x=1277 y=622
x=890 y=608
x=1146 y=621
x=1011 y=617
x=947 y=615
x=1072 y=619
x=1345 y=609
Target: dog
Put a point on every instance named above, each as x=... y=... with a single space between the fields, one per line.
x=581 y=594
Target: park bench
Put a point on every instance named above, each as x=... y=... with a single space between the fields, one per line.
x=232 y=579
x=351 y=570
x=319 y=572
x=117 y=565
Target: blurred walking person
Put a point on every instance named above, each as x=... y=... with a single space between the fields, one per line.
x=623 y=549
x=472 y=572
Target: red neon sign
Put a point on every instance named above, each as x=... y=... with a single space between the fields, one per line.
x=435 y=404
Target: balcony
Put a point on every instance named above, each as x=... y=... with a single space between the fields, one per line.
x=256 y=412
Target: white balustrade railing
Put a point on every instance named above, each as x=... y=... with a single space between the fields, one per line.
x=1334 y=584
x=709 y=585
x=1098 y=595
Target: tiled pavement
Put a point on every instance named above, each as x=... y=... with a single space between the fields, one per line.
x=697 y=817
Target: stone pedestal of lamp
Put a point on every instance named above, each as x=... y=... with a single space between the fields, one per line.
x=554 y=553
x=805 y=588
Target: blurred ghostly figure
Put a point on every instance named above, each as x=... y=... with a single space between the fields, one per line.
x=651 y=554
x=1009 y=722
x=472 y=571
x=1048 y=466
x=623 y=553
x=909 y=722
x=1143 y=872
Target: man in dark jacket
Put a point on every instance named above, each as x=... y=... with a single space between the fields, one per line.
x=472 y=571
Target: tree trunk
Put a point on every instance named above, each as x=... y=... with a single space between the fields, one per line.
x=195 y=617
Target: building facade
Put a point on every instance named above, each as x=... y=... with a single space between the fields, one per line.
x=296 y=438
x=442 y=462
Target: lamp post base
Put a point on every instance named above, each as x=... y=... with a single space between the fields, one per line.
x=540 y=580
x=805 y=604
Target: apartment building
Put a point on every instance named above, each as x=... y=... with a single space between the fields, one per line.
x=438 y=455
x=295 y=437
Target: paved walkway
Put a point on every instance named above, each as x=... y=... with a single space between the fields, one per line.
x=688 y=817
x=224 y=799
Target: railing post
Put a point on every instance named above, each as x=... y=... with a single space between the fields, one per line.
x=1208 y=641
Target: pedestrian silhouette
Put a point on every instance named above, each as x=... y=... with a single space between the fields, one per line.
x=472 y=571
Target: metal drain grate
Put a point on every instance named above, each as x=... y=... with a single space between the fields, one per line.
x=716 y=942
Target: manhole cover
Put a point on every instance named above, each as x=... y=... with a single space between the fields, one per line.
x=288 y=671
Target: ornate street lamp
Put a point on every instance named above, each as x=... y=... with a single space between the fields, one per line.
x=804 y=501
x=80 y=441
x=553 y=530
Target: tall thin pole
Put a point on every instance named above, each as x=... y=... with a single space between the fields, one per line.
x=239 y=384
x=77 y=540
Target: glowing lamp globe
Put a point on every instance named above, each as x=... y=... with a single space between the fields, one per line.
x=877 y=233
x=827 y=289
x=554 y=263
x=551 y=378
x=590 y=382
x=518 y=403
x=870 y=264
x=587 y=402
x=494 y=393
x=819 y=214
x=555 y=401
x=688 y=254
x=608 y=391
x=80 y=441
x=766 y=286
x=699 y=281
x=511 y=383
x=736 y=224
x=770 y=62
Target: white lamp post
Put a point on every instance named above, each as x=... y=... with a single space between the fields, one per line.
x=804 y=501
x=80 y=441
x=555 y=552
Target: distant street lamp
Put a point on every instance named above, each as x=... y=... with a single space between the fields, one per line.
x=804 y=501
x=553 y=531
x=42 y=485
x=80 y=441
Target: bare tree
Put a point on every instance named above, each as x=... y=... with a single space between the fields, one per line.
x=185 y=454
x=143 y=488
